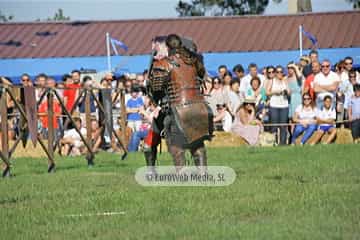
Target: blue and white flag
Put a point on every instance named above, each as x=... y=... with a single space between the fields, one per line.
x=311 y=37
x=115 y=42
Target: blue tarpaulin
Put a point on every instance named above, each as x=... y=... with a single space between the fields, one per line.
x=56 y=67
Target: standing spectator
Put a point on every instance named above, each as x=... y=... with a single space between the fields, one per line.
x=245 y=82
x=235 y=99
x=346 y=88
x=325 y=83
x=348 y=65
x=227 y=81
x=239 y=71
x=304 y=61
x=295 y=81
x=70 y=92
x=354 y=113
x=148 y=113
x=75 y=75
x=278 y=92
x=325 y=118
x=309 y=82
x=246 y=125
x=40 y=85
x=217 y=94
x=87 y=83
x=133 y=108
x=257 y=93
x=26 y=80
x=222 y=71
x=314 y=57
x=43 y=112
x=305 y=119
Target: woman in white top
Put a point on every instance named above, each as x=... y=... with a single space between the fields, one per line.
x=305 y=119
x=277 y=89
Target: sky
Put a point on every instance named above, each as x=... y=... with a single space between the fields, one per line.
x=31 y=10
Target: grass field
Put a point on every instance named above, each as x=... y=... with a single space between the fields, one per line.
x=279 y=193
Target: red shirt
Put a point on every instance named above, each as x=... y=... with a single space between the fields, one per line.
x=309 y=84
x=44 y=109
x=70 y=94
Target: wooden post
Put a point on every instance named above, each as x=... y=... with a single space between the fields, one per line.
x=123 y=115
x=51 y=129
x=90 y=155
x=4 y=132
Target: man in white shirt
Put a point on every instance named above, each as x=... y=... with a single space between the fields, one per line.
x=245 y=81
x=325 y=83
x=325 y=118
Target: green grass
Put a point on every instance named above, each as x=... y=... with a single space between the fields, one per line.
x=279 y=193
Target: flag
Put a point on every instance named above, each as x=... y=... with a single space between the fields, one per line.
x=311 y=37
x=115 y=42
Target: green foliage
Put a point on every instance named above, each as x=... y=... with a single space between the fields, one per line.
x=59 y=16
x=220 y=7
x=5 y=18
x=279 y=193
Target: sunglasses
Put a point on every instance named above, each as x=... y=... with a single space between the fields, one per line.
x=270 y=72
x=25 y=80
x=325 y=66
x=348 y=63
x=279 y=71
x=307 y=99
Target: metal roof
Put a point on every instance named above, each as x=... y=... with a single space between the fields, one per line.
x=211 y=34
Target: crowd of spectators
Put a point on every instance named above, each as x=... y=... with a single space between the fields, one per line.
x=306 y=99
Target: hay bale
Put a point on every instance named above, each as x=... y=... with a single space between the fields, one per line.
x=29 y=151
x=343 y=136
x=226 y=139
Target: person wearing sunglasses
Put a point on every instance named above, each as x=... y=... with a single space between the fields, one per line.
x=217 y=94
x=348 y=66
x=325 y=83
x=305 y=119
x=278 y=92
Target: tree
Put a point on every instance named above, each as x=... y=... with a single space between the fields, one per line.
x=4 y=18
x=59 y=16
x=220 y=7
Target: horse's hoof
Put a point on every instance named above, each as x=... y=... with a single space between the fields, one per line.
x=51 y=168
x=6 y=172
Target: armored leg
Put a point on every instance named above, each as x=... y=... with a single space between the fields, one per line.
x=178 y=155
x=200 y=158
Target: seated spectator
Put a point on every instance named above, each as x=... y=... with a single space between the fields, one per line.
x=246 y=125
x=354 y=114
x=133 y=107
x=227 y=82
x=278 y=91
x=95 y=135
x=325 y=83
x=217 y=95
x=222 y=118
x=305 y=119
x=71 y=143
x=325 y=118
x=148 y=113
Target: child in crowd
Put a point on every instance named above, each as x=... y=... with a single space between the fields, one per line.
x=354 y=113
x=133 y=107
x=326 y=117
